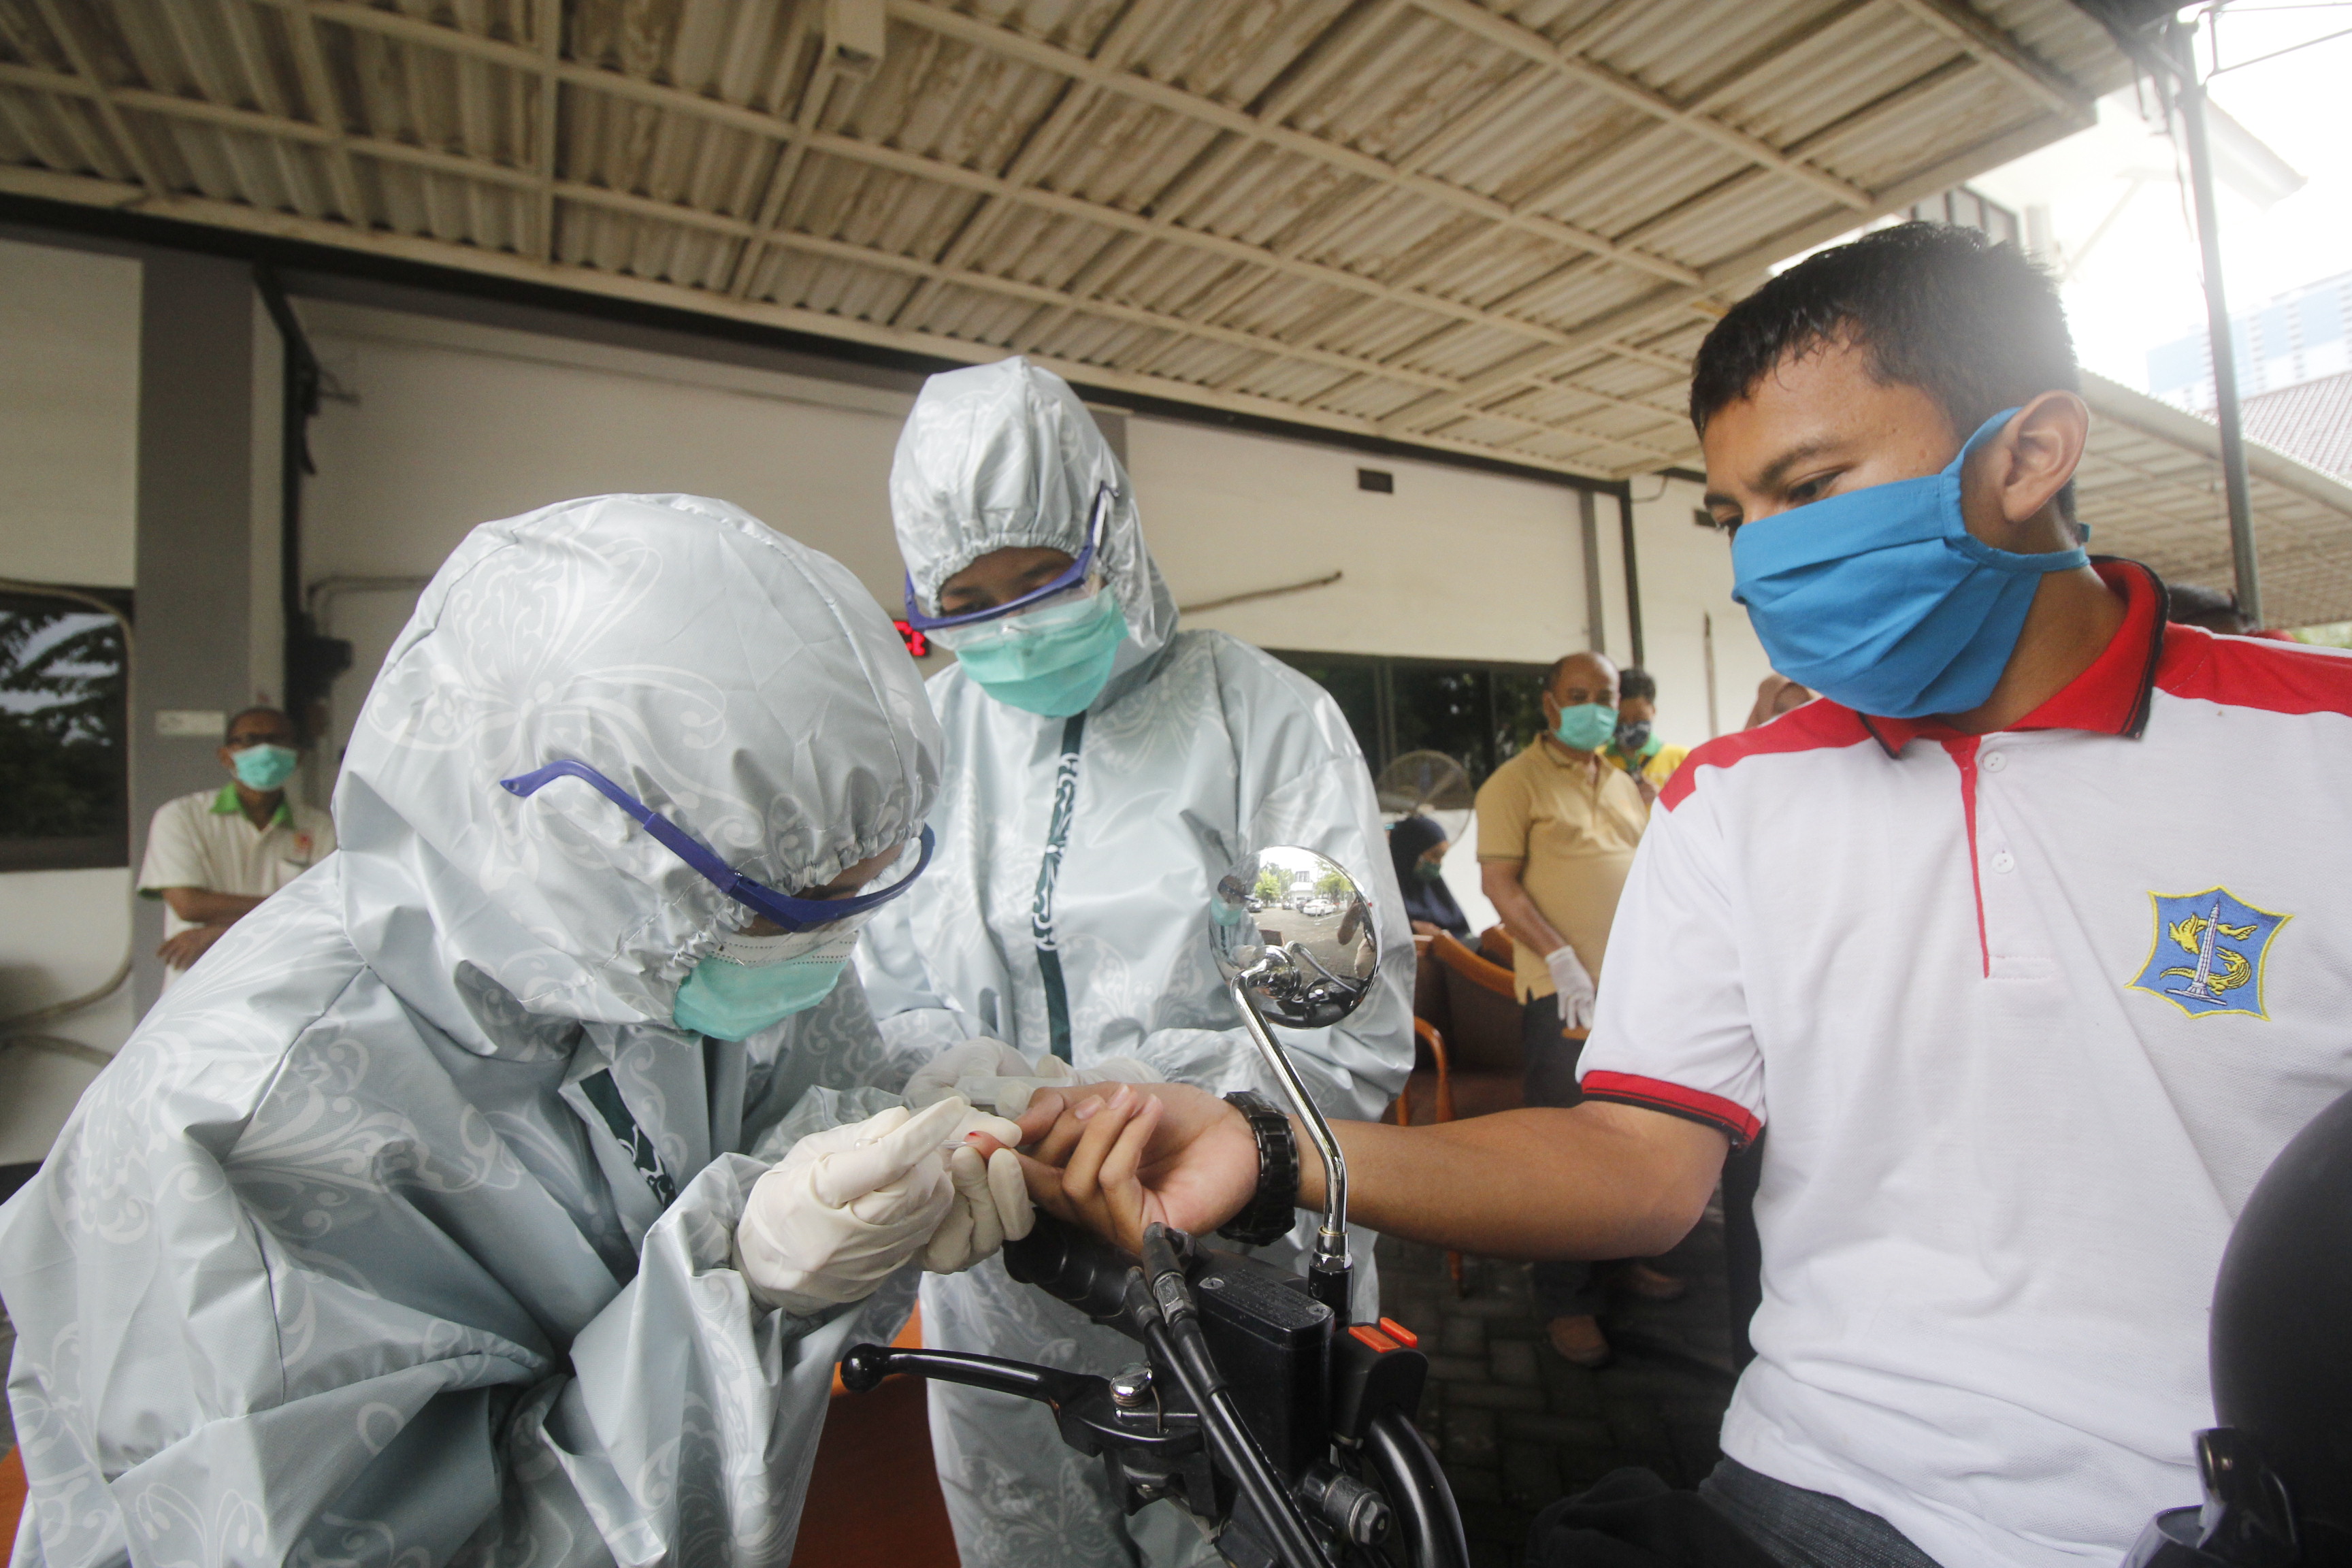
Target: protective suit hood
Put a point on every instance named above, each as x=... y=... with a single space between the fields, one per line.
x=1004 y=456
x=688 y=652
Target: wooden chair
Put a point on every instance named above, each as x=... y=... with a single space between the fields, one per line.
x=1467 y=1028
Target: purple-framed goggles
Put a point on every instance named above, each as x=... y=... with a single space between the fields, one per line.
x=1068 y=580
x=793 y=914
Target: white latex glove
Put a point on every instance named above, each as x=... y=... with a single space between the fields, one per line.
x=1574 y=987
x=1010 y=1093
x=845 y=1208
x=992 y=1208
x=982 y=1058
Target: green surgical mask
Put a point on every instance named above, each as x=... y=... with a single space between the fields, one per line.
x=1586 y=727
x=1429 y=871
x=751 y=984
x=265 y=767
x=1055 y=672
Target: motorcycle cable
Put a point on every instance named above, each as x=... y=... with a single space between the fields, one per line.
x=1161 y=1307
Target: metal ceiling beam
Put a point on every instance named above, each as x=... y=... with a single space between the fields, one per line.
x=433 y=35
x=988 y=36
x=1633 y=317
x=934 y=275
x=1965 y=26
x=135 y=153
x=1528 y=43
x=87 y=191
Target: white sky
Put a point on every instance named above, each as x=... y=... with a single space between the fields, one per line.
x=2140 y=286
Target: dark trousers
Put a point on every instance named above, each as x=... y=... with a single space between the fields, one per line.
x=1562 y=1289
x=1737 y=1518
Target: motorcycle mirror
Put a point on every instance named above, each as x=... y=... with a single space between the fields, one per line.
x=1294 y=939
x=1294 y=932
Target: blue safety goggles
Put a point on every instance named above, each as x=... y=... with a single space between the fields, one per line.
x=793 y=914
x=1061 y=584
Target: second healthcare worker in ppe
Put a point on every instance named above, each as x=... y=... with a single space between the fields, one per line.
x=1103 y=771
x=498 y=1191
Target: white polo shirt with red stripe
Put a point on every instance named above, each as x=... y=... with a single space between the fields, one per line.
x=2027 y=1014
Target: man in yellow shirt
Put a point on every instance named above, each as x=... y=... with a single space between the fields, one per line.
x=1558 y=825
x=1635 y=748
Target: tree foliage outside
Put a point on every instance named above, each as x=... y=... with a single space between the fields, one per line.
x=1271 y=887
x=62 y=721
x=1333 y=884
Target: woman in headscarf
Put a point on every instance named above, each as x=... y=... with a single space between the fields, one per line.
x=1417 y=846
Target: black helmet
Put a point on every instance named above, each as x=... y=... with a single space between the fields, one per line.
x=2278 y=1471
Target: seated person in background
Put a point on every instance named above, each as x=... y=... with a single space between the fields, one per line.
x=1636 y=747
x=1776 y=694
x=212 y=857
x=1417 y=847
x=437 y=1220
x=2012 y=969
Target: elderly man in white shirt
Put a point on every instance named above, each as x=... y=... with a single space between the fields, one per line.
x=214 y=856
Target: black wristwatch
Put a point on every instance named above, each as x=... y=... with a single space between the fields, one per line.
x=1274 y=1209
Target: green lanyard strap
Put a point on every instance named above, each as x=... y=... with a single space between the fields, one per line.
x=1041 y=910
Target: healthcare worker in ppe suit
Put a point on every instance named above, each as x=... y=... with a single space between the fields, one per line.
x=1103 y=771
x=434 y=1219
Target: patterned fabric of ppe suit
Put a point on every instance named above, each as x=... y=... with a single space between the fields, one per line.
x=399 y=1233
x=1199 y=749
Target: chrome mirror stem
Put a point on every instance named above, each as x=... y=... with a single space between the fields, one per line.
x=1331 y=1274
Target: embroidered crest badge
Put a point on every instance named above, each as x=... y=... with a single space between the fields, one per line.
x=2208 y=954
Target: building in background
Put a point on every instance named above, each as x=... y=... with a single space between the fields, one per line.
x=2294 y=338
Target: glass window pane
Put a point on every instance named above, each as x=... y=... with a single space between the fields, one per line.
x=62 y=768
x=1443 y=709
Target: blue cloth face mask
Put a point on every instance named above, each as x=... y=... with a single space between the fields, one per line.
x=265 y=767
x=753 y=982
x=1053 y=670
x=1586 y=727
x=1882 y=599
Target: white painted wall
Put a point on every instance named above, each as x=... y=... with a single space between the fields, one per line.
x=68 y=414
x=1686 y=573
x=1454 y=564
x=69 y=445
x=438 y=426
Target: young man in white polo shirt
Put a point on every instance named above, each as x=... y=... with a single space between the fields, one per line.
x=2030 y=985
x=214 y=856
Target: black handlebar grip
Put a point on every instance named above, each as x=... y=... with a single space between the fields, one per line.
x=865 y=1367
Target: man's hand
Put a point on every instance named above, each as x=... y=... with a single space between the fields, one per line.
x=182 y=950
x=1115 y=1157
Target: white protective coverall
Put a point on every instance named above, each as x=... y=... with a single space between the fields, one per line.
x=399 y=1232
x=1199 y=750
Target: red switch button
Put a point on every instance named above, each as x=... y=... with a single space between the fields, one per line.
x=1402 y=1334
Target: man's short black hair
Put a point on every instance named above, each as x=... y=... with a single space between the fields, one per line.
x=242 y=714
x=1635 y=683
x=1975 y=325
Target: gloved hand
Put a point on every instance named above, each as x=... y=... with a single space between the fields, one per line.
x=991 y=1073
x=1574 y=987
x=982 y=1058
x=992 y=1208
x=845 y=1208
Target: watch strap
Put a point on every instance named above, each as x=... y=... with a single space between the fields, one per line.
x=1273 y=1210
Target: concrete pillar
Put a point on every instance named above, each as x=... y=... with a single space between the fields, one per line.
x=195 y=579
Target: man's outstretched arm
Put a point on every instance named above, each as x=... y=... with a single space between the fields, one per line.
x=1597 y=1181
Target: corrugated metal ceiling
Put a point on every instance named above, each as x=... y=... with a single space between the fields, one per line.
x=1490 y=228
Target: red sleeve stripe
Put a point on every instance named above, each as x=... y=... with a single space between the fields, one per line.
x=1656 y=1094
x=2240 y=672
x=1818 y=725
